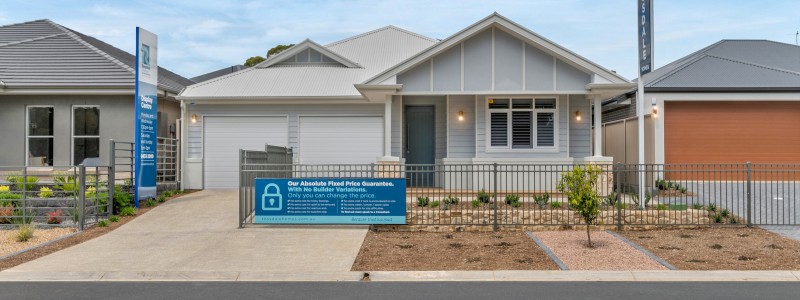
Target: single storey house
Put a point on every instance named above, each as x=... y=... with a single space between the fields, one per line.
x=731 y=102
x=492 y=92
x=64 y=95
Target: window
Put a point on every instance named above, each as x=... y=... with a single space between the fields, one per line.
x=522 y=123
x=86 y=135
x=40 y=136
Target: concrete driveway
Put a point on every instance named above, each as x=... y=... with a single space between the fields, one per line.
x=199 y=233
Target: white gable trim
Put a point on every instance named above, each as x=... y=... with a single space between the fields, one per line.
x=307 y=44
x=512 y=28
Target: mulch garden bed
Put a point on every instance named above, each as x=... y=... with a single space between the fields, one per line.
x=434 y=251
x=85 y=235
x=720 y=248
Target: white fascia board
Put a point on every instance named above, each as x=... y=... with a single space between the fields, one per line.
x=275 y=100
x=303 y=46
x=377 y=92
x=733 y=96
x=495 y=93
x=66 y=91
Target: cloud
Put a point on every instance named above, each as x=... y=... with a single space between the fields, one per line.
x=205 y=28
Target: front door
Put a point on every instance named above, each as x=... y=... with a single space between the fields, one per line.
x=420 y=145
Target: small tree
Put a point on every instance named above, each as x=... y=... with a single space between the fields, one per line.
x=252 y=61
x=579 y=186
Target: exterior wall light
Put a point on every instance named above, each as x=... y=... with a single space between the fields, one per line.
x=461 y=115
x=194 y=118
x=578 y=115
x=655 y=107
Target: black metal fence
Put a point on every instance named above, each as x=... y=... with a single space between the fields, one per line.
x=527 y=195
x=274 y=162
x=55 y=196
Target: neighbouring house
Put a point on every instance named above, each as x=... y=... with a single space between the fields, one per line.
x=64 y=95
x=731 y=102
x=494 y=92
x=218 y=73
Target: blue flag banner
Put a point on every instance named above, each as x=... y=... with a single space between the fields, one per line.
x=146 y=115
x=330 y=201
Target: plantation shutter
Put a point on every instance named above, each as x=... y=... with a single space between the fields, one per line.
x=545 y=129
x=499 y=129
x=521 y=126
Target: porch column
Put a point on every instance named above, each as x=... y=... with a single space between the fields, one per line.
x=598 y=127
x=387 y=127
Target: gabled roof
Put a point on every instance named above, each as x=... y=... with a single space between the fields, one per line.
x=42 y=54
x=218 y=73
x=304 y=45
x=372 y=51
x=496 y=19
x=731 y=65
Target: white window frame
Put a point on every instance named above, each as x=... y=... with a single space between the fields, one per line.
x=534 y=131
x=72 y=132
x=28 y=135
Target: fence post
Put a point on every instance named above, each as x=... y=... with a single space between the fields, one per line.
x=81 y=196
x=241 y=191
x=749 y=197
x=494 y=227
x=24 y=195
x=112 y=159
x=618 y=195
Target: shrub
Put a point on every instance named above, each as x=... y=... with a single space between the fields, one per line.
x=450 y=200
x=662 y=207
x=579 y=187
x=24 y=233
x=55 y=217
x=697 y=206
x=662 y=184
x=683 y=190
x=516 y=204
x=65 y=182
x=610 y=199
x=733 y=220
x=22 y=216
x=127 y=211
x=717 y=219
x=4 y=188
x=712 y=207
x=622 y=205
x=91 y=192
x=512 y=198
x=45 y=192
x=9 y=196
x=102 y=223
x=484 y=197
x=423 y=201
x=476 y=203
x=168 y=194
x=113 y=219
x=121 y=199
x=434 y=204
x=6 y=212
x=24 y=183
x=162 y=198
x=555 y=205
x=725 y=213
x=541 y=200
x=151 y=202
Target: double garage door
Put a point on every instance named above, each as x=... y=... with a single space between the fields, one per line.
x=321 y=140
x=732 y=132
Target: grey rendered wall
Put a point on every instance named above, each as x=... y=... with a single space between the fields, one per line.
x=461 y=141
x=494 y=60
x=116 y=122
x=580 y=132
x=173 y=111
x=563 y=134
x=440 y=123
x=195 y=145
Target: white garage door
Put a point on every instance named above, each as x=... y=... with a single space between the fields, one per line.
x=340 y=140
x=224 y=136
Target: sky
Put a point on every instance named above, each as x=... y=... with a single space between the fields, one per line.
x=196 y=36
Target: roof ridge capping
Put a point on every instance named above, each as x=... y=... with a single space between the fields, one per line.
x=491 y=20
x=379 y=30
x=307 y=43
x=77 y=38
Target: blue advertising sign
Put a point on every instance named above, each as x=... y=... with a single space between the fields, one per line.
x=645 y=21
x=330 y=201
x=146 y=120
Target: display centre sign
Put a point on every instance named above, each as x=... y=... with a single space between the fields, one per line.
x=146 y=120
x=330 y=201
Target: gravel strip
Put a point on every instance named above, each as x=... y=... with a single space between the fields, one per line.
x=643 y=250
x=549 y=252
x=609 y=253
x=9 y=244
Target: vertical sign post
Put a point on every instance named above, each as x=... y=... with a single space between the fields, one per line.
x=644 y=21
x=146 y=115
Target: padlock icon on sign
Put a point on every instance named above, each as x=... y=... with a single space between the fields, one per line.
x=271 y=200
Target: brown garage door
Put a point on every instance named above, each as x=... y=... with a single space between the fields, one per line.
x=731 y=132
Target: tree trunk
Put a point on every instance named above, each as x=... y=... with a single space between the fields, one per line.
x=588 y=235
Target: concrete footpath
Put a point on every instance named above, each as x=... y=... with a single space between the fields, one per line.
x=198 y=234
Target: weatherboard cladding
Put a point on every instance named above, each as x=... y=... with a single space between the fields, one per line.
x=373 y=51
x=44 y=54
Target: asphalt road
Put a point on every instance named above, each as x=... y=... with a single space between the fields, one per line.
x=399 y=290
